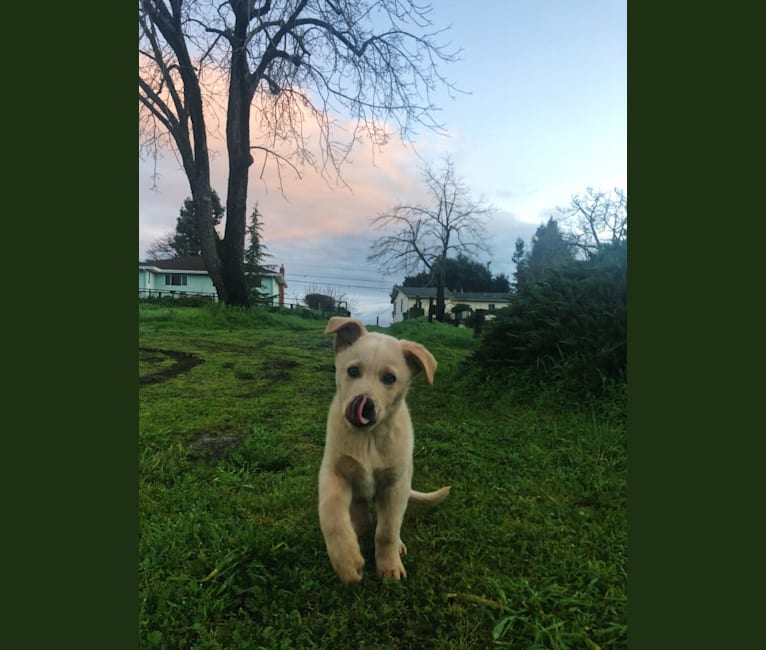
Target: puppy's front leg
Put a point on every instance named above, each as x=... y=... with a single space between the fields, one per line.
x=391 y=502
x=335 y=522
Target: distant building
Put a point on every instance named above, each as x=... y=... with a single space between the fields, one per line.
x=411 y=302
x=188 y=276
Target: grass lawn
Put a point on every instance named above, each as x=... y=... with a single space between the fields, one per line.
x=528 y=551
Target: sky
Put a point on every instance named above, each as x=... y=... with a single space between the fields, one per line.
x=543 y=116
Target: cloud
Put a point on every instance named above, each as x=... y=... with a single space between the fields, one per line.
x=296 y=202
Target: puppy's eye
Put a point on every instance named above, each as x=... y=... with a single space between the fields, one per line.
x=353 y=372
x=388 y=378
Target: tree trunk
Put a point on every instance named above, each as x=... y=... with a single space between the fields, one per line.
x=440 y=290
x=234 y=278
x=232 y=247
x=441 y=284
x=440 y=303
x=197 y=168
x=208 y=237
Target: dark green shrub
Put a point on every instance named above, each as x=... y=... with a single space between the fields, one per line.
x=320 y=301
x=571 y=325
x=181 y=300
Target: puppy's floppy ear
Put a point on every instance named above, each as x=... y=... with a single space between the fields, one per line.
x=346 y=330
x=420 y=359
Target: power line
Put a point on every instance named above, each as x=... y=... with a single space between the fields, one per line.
x=327 y=277
x=336 y=266
x=343 y=280
x=342 y=286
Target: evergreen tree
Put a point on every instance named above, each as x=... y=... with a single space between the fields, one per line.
x=520 y=260
x=550 y=250
x=187 y=240
x=255 y=254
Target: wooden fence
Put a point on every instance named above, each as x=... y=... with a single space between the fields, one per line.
x=166 y=294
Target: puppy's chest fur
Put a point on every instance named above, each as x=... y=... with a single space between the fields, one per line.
x=367 y=481
x=371 y=462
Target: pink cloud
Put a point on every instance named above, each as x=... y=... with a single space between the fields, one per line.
x=292 y=207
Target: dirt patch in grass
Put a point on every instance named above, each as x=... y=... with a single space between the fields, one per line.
x=278 y=369
x=212 y=447
x=169 y=362
x=243 y=450
x=271 y=371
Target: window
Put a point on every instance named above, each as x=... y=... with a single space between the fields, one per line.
x=490 y=307
x=175 y=279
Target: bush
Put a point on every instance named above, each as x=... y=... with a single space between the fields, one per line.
x=180 y=300
x=320 y=301
x=571 y=325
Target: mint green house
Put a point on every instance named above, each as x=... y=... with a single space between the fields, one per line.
x=188 y=276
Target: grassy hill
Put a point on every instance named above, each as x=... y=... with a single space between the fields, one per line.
x=529 y=550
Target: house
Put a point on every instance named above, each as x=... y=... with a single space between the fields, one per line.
x=411 y=302
x=188 y=276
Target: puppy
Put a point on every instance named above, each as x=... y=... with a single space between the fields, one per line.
x=368 y=450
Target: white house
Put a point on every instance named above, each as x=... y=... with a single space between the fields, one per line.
x=187 y=276
x=411 y=302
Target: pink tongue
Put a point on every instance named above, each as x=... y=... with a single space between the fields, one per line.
x=362 y=400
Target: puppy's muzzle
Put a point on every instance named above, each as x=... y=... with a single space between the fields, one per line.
x=360 y=411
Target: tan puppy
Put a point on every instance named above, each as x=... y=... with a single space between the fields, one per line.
x=368 y=450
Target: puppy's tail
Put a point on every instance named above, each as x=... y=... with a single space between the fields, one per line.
x=429 y=498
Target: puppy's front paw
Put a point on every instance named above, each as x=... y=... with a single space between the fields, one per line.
x=389 y=565
x=348 y=565
x=393 y=571
x=350 y=574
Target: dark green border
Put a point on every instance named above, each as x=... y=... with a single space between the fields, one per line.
x=70 y=425
x=695 y=243
x=654 y=448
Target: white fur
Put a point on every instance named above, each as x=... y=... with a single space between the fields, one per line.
x=371 y=463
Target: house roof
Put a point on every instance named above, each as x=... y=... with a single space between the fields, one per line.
x=188 y=263
x=479 y=296
x=418 y=292
x=195 y=264
x=455 y=296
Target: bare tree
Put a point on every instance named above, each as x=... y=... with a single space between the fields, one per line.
x=286 y=64
x=425 y=236
x=162 y=248
x=601 y=218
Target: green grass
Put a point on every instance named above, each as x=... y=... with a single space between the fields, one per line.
x=528 y=551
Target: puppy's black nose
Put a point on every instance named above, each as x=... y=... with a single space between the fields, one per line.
x=361 y=411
